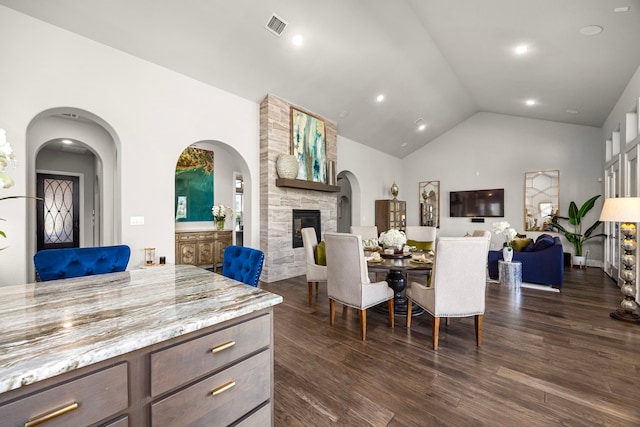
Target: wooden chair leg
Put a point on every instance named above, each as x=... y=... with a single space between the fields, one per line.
x=392 y=317
x=435 y=330
x=409 y=303
x=310 y=286
x=363 y=324
x=478 y=324
x=332 y=311
x=317 y=283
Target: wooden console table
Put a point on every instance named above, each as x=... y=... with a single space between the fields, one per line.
x=202 y=248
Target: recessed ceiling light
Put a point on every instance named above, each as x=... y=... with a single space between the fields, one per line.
x=621 y=9
x=380 y=98
x=522 y=49
x=67 y=141
x=591 y=30
x=297 y=40
x=570 y=111
x=530 y=102
x=422 y=127
x=404 y=144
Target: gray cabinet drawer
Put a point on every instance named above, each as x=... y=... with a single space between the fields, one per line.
x=178 y=365
x=98 y=396
x=198 y=406
x=122 y=422
x=260 y=418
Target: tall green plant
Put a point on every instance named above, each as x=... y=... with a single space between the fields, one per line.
x=577 y=238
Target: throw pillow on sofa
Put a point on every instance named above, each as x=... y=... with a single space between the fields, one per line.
x=519 y=244
x=543 y=242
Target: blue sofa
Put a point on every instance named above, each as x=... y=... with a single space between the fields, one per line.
x=544 y=266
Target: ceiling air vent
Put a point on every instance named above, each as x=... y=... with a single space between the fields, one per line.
x=69 y=115
x=276 y=25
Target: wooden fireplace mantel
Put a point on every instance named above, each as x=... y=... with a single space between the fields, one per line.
x=306 y=185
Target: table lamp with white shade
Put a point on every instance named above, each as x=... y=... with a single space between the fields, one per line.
x=627 y=211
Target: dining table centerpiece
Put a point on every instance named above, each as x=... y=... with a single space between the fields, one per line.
x=393 y=239
x=504 y=228
x=219 y=213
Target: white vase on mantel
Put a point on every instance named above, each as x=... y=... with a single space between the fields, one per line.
x=287 y=166
x=507 y=253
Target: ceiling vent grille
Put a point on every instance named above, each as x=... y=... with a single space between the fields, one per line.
x=276 y=25
x=69 y=115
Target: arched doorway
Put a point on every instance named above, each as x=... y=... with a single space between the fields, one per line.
x=348 y=201
x=228 y=166
x=91 y=154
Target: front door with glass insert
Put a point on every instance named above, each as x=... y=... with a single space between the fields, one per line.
x=58 y=223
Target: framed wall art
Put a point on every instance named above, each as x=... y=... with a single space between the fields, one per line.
x=308 y=144
x=194 y=185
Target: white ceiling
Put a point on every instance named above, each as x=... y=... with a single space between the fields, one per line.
x=439 y=60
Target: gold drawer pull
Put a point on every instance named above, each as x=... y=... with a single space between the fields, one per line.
x=222 y=388
x=223 y=346
x=51 y=415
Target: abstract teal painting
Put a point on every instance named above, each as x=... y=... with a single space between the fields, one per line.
x=308 y=142
x=194 y=185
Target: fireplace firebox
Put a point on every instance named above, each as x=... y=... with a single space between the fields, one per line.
x=303 y=218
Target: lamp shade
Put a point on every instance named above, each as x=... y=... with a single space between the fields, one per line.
x=621 y=209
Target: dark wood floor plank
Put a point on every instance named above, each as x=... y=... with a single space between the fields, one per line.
x=546 y=359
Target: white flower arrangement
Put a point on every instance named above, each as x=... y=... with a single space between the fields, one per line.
x=6 y=157
x=504 y=228
x=219 y=212
x=393 y=237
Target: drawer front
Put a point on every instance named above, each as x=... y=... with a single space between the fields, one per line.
x=198 y=406
x=186 y=237
x=122 y=422
x=180 y=364
x=261 y=418
x=97 y=396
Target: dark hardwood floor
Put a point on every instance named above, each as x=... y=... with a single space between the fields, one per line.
x=547 y=359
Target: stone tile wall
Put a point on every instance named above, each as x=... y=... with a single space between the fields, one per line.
x=277 y=203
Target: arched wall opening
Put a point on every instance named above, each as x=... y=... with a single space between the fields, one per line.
x=227 y=163
x=90 y=133
x=350 y=189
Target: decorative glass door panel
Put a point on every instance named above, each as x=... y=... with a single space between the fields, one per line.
x=58 y=222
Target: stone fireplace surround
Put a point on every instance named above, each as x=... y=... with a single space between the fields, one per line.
x=282 y=261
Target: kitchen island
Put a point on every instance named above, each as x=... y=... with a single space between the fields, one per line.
x=159 y=346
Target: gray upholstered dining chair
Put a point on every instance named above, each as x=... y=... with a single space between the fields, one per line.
x=366 y=232
x=315 y=272
x=458 y=284
x=348 y=282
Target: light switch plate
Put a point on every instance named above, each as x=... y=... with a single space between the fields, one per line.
x=137 y=220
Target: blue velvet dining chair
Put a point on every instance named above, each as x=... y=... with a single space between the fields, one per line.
x=243 y=264
x=52 y=264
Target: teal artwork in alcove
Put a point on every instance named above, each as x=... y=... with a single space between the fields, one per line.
x=194 y=185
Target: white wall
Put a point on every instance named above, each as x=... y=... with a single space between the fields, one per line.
x=494 y=151
x=375 y=172
x=626 y=103
x=154 y=112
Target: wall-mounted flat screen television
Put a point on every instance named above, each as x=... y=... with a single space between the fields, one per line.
x=477 y=203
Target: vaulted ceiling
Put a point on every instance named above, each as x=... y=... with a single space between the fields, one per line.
x=437 y=62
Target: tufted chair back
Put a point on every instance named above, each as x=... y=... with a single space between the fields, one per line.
x=52 y=264
x=243 y=264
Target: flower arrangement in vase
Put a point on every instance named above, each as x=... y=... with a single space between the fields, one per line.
x=393 y=238
x=6 y=158
x=219 y=213
x=509 y=233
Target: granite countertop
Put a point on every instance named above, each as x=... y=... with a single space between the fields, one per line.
x=49 y=328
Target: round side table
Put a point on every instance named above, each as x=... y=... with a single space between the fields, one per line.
x=510 y=273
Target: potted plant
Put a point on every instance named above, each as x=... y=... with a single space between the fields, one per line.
x=576 y=237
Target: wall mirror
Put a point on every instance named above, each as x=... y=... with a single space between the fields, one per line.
x=541 y=199
x=429 y=199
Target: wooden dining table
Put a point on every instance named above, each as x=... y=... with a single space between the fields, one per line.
x=396 y=267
